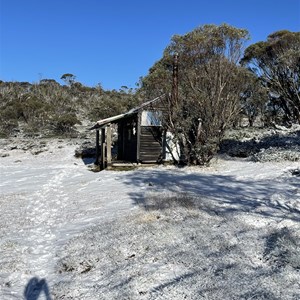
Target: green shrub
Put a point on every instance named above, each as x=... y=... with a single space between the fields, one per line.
x=65 y=123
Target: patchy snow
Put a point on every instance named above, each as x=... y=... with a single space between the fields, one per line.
x=229 y=231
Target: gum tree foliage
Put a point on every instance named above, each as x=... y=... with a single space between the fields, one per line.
x=209 y=89
x=277 y=63
x=254 y=100
x=68 y=78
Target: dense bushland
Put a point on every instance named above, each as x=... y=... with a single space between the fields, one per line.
x=49 y=108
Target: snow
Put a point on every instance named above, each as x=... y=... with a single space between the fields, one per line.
x=228 y=231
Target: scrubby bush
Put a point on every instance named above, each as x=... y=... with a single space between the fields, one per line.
x=48 y=107
x=65 y=122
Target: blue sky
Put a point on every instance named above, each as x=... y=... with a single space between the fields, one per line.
x=114 y=42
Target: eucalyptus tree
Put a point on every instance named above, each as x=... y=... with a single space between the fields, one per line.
x=277 y=63
x=68 y=78
x=254 y=101
x=210 y=83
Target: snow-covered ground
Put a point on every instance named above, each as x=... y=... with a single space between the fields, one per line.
x=228 y=231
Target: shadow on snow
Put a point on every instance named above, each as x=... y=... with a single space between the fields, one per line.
x=218 y=194
x=35 y=288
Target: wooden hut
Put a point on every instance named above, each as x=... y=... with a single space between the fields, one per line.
x=141 y=135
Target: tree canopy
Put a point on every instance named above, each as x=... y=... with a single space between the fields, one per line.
x=68 y=78
x=210 y=84
x=277 y=63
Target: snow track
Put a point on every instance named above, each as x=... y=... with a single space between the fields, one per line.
x=44 y=201
x=119 y=235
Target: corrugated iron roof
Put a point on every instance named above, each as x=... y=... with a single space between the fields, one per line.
x=114 y=119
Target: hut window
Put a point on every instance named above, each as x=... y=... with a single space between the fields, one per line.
x=151 y=118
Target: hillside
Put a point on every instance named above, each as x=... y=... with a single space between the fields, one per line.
x=49 y=109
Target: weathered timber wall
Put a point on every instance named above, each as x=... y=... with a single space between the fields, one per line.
x=151 y=144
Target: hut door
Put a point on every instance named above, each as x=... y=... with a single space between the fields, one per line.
x=129 y=141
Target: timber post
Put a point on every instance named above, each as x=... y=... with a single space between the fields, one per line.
x=108 y=146
x=102 y=158
x=97 y=148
